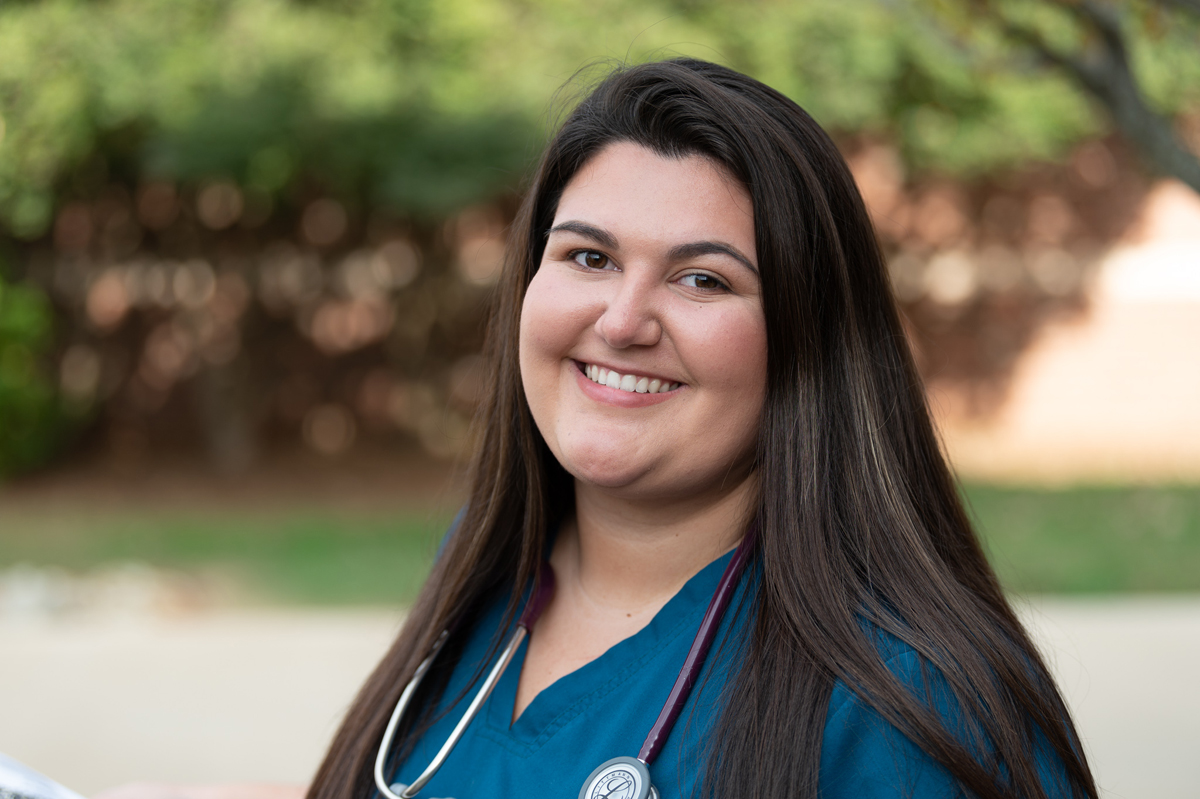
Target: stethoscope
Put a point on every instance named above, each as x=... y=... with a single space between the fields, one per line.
x=626 y=777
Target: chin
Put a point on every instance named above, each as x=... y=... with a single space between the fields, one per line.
x=604 y=469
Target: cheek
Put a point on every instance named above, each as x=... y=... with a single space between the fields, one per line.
x=733 y=353
x=734 y=358
x=550 y=324
x=529 y=344
x=750 y=372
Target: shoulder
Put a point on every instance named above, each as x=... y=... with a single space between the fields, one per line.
x=864 y=756
x=901 y=659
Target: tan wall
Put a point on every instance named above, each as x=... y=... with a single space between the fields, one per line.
x=1115 y=393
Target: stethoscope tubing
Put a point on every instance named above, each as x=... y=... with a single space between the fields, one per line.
x=542 y=593
x=689 y=672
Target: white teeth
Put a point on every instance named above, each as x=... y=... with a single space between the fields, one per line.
x=632 y=383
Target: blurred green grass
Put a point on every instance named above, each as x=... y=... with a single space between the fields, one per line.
x=1064 y=541
x=1110 y=539
x=304 y=557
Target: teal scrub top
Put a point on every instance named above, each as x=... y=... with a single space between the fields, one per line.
x=605 y=708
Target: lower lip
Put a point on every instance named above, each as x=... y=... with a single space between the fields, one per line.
x=615 y=396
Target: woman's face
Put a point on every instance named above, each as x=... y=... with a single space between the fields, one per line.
x=643 y=345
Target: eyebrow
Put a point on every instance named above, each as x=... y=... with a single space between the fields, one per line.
x=695 y=249
x=598 y=235
x=680 y=252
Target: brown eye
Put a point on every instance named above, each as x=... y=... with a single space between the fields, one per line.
x=591 y=259
x=704 y=282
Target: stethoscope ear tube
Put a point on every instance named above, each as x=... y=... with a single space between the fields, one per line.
x=389 y=733
x=481 y=696
x=541 y=596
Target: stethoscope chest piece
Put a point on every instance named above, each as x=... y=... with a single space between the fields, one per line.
x=619 y=778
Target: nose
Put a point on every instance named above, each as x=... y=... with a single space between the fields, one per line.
x=630 y=317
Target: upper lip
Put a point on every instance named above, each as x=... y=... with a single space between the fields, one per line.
x=627 y=370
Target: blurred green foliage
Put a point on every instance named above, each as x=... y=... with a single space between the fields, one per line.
x=1161 y=37
x=30 y=421
x=426 y=106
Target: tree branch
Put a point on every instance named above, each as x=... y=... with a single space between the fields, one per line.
x=1108 y=77
x=1192 y=6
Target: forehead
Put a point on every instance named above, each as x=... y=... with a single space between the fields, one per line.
x=635 y=193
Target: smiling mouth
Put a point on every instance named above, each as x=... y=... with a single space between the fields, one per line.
x=639 y=384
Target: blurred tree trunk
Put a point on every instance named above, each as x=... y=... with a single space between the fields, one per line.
x=227 y=424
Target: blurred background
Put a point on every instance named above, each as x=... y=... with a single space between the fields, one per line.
x=246 y=253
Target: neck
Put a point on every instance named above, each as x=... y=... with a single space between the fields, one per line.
x=635 y=555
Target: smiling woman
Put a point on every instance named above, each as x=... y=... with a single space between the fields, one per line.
x=711 y=546
x=704 y=400
x=642 y=283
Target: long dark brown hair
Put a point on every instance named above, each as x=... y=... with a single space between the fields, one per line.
x=860 y=522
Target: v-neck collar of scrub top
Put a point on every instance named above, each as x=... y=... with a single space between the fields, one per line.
x=573 y=693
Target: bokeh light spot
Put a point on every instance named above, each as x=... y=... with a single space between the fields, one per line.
x=324 y=222
x=329 y=429
x=219 y=205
